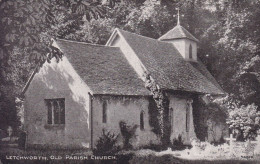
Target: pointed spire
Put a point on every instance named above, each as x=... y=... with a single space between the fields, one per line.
x=178 y=16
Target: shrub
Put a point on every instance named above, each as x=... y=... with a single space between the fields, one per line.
x=178 y=144
x=106 y=144
x=128 y=132
x=245 y=120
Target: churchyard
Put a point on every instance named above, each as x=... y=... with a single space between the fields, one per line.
x=231 y=151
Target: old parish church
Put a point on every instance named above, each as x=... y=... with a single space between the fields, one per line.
x=94 y=87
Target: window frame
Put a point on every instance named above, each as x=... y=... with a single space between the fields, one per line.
x=142 y=120
x=104 y=112
x=190 y=51
x=60 y=119
x=188 y=118
x=171 y=118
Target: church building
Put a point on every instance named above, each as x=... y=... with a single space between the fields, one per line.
x=94 y=87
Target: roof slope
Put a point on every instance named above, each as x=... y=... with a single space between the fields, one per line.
x=204 y=71
x=104 y=69
x=167 y=66
x=178 y=32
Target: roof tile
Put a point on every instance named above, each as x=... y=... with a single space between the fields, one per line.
x=167 y=66
x=104 y=69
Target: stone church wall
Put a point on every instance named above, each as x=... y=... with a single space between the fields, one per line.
x=57 y=81
x=123 y=108
x=179 y=107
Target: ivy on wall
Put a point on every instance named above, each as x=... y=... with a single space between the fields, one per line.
x=160 y=125
x=200 y=125
x=203 y=113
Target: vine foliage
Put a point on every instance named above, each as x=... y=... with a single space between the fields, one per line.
x=161 y=124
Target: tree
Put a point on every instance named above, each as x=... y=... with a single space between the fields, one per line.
x=232 y=42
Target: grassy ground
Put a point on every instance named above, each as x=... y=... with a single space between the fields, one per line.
x=130 y=158
x=166 y=159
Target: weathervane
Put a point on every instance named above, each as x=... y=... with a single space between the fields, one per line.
x=178 y=16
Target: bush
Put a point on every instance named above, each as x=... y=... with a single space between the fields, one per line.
x=106 y=144
x=177 y=143
x=128 y=132
x=245 y=120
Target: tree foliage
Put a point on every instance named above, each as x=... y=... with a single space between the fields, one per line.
x=245 y=119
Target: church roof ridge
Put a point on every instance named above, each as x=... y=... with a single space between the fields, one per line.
x=144 y=37
x=85 y=43
x=120 y=30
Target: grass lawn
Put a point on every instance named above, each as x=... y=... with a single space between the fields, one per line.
x=169 y=159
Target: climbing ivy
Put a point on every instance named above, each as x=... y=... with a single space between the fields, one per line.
x=161 y=124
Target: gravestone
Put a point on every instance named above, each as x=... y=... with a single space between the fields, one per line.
x=9 y=133
x=231 y=140
x=10 y=140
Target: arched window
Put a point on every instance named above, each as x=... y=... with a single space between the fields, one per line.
x=104 y=112
x=142 y=120
x=190 y=51
x=187 y=117
x=171 y=118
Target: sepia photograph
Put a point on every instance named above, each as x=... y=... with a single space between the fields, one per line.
x=129 y=81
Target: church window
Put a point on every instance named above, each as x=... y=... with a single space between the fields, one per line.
x=56 y=111
x=104 y=119
x=171 y=118
x=187 y=117
x=142 y=120
x=190 y=51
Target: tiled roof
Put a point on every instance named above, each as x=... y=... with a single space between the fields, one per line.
x=104 y=69
x=167 y=66
x=178 y=32
x=204 y=71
